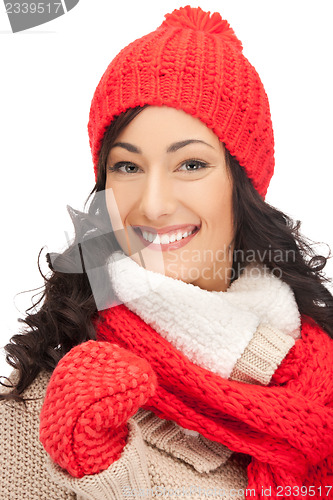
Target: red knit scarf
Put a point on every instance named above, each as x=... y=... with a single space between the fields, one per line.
x=286 y=427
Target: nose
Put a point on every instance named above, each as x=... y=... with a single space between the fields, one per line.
x=157 y=197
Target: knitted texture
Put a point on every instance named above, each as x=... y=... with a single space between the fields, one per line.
x=287 y=427
x=157 y=454
x=92 y=393
x=204 y=455
x=211 y=329
x=23 y=471
x=192 y=62
x=262 y=356
x=175 y=464
x=28 y=473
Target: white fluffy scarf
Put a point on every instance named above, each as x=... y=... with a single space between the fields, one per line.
x=211 y=328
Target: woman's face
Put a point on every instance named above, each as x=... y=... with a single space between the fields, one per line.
x=172 y=194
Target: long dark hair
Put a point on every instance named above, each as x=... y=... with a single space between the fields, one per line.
x=67 y=305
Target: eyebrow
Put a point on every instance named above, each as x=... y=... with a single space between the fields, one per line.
x=171 y=149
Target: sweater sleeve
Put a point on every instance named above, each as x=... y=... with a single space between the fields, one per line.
x=119 y=481
x=262 y=356
x=23 y=459
x=29 y=472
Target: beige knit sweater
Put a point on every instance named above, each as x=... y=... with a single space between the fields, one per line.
x=160 y=460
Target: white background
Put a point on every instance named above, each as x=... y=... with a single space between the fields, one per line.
x=48 y=77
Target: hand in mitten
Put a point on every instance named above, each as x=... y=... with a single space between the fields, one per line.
x=95 y=388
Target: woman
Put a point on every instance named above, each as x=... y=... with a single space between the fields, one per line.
x=184 y=345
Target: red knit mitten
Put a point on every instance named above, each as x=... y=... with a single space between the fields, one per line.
x=95 y=388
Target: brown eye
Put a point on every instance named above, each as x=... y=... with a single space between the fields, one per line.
x=193 y=165
x=129 y=168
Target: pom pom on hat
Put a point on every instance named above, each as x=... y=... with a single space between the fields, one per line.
x=196 y=19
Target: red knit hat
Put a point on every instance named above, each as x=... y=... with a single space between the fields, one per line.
x=193 y=62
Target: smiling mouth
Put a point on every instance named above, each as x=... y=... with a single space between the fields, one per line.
x=166 y=238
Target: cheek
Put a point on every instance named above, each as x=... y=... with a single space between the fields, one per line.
x=224 y=212
x=118 y=201
x=118 y=207
x=122 y=199
x=216 y=209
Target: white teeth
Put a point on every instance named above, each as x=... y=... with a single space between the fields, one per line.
x=165 y=239
x=156 y=241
